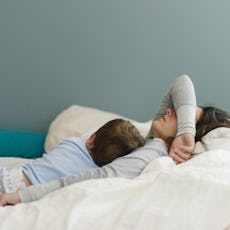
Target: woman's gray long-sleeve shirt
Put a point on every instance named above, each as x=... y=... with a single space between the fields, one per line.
x=181 y=97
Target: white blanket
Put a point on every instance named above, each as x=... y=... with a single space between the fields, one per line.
x=193 y=195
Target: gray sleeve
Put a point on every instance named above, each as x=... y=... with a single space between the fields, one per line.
x=36 y=192
x=128 y=166
x=182 y=98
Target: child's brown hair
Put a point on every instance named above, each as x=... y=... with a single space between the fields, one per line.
x=116 y=138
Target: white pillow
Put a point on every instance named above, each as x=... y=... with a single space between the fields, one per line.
x=81 y=121
x=218 y=138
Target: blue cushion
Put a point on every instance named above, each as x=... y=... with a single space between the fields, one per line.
x=17 y=143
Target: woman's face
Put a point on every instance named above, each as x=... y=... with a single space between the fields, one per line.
x=166 y=126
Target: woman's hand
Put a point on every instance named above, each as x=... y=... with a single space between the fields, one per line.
x=182 y=148
x=9 y=198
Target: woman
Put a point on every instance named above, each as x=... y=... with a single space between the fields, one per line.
x=173 y=129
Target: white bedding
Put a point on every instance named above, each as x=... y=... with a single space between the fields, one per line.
x=191 y=196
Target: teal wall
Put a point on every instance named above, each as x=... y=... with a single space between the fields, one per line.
x=118 y=55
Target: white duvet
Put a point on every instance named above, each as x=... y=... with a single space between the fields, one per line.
x=191 y=196
x=194 y=195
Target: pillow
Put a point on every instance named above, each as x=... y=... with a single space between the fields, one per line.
x=218 y=138
x=17 y=143
x=81 y=121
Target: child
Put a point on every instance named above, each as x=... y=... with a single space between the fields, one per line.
x=116 y=138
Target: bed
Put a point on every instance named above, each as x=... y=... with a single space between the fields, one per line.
x=194 y=195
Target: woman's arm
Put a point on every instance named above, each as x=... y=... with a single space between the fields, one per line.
x=128 y=166
x=9 y=198
x=184 y=101
x=181 y=97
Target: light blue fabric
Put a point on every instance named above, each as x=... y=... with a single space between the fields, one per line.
x=70 y=156
x=17 y=143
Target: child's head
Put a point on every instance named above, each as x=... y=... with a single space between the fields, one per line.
x=211 y=118
x=116 y=138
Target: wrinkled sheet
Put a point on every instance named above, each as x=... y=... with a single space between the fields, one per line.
x=193 y=195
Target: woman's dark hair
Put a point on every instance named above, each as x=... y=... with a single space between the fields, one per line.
x=211 y=118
